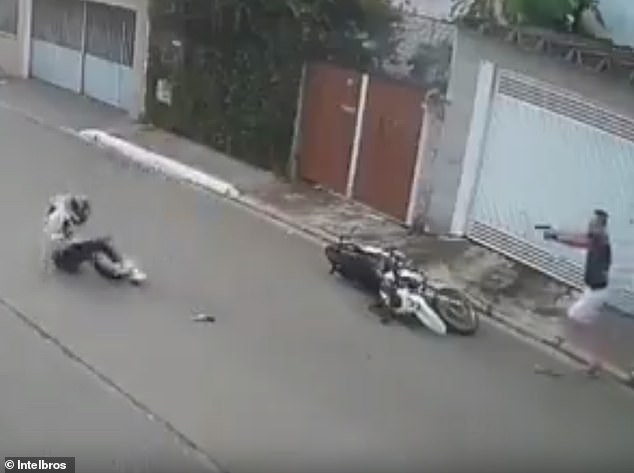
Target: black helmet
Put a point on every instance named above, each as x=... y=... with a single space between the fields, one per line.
x=79 y=207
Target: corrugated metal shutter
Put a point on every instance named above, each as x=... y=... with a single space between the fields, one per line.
x=108 y=72
x=87 y=47
x=9 y=17
x=57 y=42
x=552 y=157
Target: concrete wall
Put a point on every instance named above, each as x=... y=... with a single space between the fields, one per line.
x=10 y=61
x=13 y=56
x=439 y=9
x=470 y=49
x=619 y=19
x=428 y=153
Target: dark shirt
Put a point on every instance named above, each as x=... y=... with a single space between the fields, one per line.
x=598 y=261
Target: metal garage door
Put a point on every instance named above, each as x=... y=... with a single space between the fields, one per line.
x=328 y=125
x=57 y=42
x=86 y=47
x=552 y=157
x=389 y=146
x=108 y=73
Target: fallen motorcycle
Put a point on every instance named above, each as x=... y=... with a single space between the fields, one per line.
x=441 y=308
x=360 y=264
x=401 y=288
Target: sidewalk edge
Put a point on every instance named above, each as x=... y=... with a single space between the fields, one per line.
x=156 y=162
x=172 y=168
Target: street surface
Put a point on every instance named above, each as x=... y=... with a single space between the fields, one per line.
x=51 y=406
x=295 y=375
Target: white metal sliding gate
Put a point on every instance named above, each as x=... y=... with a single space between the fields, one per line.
x=552 y=157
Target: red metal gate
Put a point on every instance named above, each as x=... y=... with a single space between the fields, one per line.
x=389 y=146
x=328 y=125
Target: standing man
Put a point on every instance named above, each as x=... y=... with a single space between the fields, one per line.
x=585 y=312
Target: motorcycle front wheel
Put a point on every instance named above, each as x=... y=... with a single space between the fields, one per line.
x=456 y=311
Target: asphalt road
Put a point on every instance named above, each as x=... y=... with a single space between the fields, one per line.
x=296 y=375
x=51 y=406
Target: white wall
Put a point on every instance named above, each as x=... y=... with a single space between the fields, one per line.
x=9 y=54
x=438 y=9
x=13 y=60
x=619 y=19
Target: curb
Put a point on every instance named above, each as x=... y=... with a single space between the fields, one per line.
x=156 y=162
x=181 y=172
x=152 y=161
x=559 y=346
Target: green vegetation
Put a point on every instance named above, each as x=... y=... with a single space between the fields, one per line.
x=561 y=15
x=235 y=65
x=558 y=15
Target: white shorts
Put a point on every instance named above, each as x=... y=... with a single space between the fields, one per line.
x=587 y=309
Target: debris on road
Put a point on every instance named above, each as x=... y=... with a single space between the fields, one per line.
x=204 y=318
x=559 y=341
x=592 y=372
x=544 y=370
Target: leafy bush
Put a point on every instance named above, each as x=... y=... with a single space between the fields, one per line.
x=559 y=15
x=555 y=14
x=235 y=65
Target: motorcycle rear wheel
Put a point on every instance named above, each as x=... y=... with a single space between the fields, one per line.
x=456 y=311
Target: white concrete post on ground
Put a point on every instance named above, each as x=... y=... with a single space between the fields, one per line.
x=472 y=161
x=297 y=126
x=423 y=140
x=358 y=132
x=25 y=12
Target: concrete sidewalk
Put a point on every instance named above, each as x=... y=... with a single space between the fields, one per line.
x=521 y=299
x=59 y=108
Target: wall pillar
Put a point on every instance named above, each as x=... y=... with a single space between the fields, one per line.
x=473 y=154
x=358 y=132
x=25 y=23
